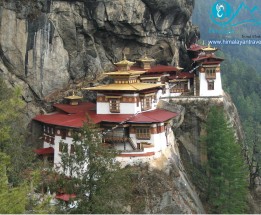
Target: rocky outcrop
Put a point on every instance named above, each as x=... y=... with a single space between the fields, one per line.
x=164 y=186
x=49 y=45
x=189 y=134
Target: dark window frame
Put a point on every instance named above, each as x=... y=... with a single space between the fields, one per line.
x=211 y=85
x=143 y=133
x=114 y=105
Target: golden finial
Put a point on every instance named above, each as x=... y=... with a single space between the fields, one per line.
x=209 y=49
x=124 y=56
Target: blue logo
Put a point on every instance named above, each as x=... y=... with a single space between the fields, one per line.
x=224 y=15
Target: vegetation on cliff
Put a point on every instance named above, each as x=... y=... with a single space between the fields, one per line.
x=226 y=171
x=91 y=173
x=242 y=82
x=14 y=156
x=240 y=74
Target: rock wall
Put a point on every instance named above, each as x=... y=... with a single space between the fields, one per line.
x=47 y=46
x=189 y=133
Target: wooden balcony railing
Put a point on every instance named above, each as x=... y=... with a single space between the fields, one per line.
x=115 y=140
x=211 y=76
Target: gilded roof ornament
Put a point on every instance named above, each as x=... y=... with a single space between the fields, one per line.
x=124 y=62
x=145 y=58
x=209 y=48
x=73 y=96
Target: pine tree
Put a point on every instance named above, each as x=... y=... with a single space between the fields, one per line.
x=227 y=174
x=92 y=173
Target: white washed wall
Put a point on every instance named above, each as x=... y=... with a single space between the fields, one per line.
x=204 y=86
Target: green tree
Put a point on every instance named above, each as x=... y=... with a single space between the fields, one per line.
x=227 y=173
x=16 y=158
x=12 y=131
x=12 y=200
x=92 y=173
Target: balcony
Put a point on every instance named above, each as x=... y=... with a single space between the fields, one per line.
x=210 y=75
x=123 y=140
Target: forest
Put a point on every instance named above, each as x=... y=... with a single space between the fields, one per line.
x=241 y=74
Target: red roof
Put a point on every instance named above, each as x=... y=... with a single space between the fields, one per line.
x=162 y=68
x=157 y=115
x=136 y=154
x=76 y=120
x=211 y=62
x=66 y=120
x=44 y=151
x=81 y=108
x=204 y=57
x=196 y=47
x=157 y=69
x=182 y=75
x=65 y=197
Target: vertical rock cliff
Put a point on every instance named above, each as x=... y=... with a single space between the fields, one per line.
x=47 y=46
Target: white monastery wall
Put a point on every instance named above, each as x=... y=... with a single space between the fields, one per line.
x=204 y=86
x=125 y=108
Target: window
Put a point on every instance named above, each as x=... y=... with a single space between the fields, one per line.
x=63 y=133
x=210 y=73
x=63 y=147
x=180 y=87
x=138 y=101
x=211 y=85
x=143 y=133
x=72 y=149
x=146 y=103
x=114 y=105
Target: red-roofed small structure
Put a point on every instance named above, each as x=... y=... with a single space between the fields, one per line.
x=44 y=151
x=65 y=197
x=209 y=57
x=196 y=47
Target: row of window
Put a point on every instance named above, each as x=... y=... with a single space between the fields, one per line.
x=210 y=73
x=179 y=87
x=48 y=139
x=143 y=133
x=63 y=147
x=48 y=130
x=146 y=104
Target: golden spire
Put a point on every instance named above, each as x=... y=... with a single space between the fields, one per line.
x=209 y=48
x=74 y=99
x=146 y=61
x=124 y=64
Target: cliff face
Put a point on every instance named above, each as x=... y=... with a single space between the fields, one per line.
x=191 y=130
x=47 y=46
